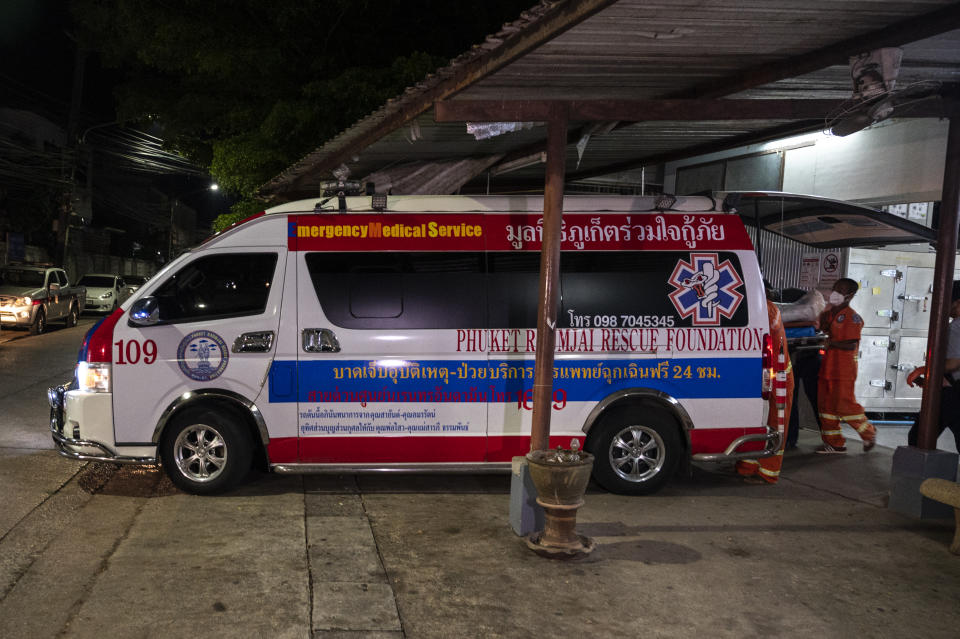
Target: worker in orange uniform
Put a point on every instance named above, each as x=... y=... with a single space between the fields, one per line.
x=837 y=404
x=767 y=469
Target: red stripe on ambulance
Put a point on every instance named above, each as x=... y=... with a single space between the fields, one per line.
x=514 y=232
x=100 y=346
x=428 y=449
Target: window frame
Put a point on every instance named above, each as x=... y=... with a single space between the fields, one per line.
x=219 y=316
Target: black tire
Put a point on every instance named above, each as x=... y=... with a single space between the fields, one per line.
x=39 y=323
x=636 y=450
x=72 y=316
x=206 y=451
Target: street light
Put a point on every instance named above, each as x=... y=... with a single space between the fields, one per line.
x=212 y=187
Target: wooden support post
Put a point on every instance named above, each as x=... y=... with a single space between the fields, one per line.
x=942 y=285
x=549 y=278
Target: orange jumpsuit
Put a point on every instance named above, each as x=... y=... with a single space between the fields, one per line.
x=768 y=468
x=835 y=396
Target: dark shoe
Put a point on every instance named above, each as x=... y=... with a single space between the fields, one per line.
x=869 y=444
x=827 y=449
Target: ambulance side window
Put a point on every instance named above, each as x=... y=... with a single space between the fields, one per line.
x=628 y=289
x=218 y=286
x=615 y=285
x=592 y=284
x=400 y=290
x=514 y=282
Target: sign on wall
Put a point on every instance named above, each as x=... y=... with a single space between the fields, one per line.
x=820 y=270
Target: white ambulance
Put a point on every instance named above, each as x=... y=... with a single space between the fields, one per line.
x=400 y=336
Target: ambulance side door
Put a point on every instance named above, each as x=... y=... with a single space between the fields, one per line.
x=384 y=372
x=219 y=313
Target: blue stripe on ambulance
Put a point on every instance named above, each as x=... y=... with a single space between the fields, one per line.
x=82 y=355
x=494 y=381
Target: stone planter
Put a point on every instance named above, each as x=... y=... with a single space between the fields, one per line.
x=561 y=478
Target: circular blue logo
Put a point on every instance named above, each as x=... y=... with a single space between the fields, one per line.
x=202 y=356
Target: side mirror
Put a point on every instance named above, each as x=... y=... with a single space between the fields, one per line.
x=145 y=312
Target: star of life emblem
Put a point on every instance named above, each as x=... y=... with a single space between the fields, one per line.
x=705 y=289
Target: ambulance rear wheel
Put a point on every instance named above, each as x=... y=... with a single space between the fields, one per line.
x=206 y=452
x=636 y=450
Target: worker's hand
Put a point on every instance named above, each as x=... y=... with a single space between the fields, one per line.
x=914 y=374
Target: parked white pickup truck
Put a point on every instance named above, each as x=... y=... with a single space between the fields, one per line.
x=31 y=296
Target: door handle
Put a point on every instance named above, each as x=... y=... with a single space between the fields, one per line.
x=320 y=340
x=896 y=274
x=889 y=312
x=256 y=342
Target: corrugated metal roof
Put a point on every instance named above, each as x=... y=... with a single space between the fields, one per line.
x=636 y=49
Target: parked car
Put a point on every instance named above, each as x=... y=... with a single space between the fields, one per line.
x=30 y=296
x=134 y=281
x=105 y=292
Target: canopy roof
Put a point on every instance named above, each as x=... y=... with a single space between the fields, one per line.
x=632 y=50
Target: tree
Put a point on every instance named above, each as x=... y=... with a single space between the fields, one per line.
x=247 y=88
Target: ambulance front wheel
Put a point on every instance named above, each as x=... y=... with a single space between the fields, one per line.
x=636 y=450
x=206 y=452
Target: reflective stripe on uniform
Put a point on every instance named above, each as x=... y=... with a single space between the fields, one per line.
x=769 y=473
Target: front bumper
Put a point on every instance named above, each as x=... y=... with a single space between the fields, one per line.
x=99 y=306
x=17 y=316
x=771 y=446
x=86 y=412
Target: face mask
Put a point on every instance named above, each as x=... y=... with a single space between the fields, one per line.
x=836 y=298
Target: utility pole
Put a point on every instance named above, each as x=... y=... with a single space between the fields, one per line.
x=70 y=152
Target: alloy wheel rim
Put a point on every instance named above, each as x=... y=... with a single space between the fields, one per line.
x=637 y=453
x=200 y=453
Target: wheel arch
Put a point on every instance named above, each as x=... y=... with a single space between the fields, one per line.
x=244 y=408
x=637 y=397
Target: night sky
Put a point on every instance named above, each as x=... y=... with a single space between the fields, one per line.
x=37 y=60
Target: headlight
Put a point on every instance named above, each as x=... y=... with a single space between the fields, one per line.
x=23 y=301
x=107 y=295
x=94 y=377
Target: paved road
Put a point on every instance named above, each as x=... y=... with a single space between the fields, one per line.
x=93 y=550
x=29 y=364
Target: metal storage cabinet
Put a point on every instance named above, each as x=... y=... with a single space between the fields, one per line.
x=894 y=301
